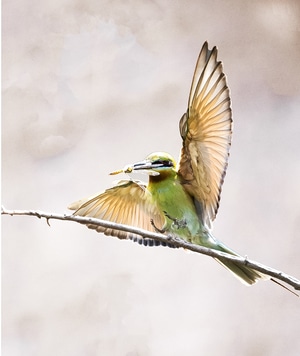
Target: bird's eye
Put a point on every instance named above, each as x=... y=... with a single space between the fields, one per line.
x=165 y=163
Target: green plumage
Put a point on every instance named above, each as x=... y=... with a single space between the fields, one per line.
x=183 y=220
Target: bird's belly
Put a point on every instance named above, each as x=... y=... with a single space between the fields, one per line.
x=180 y=212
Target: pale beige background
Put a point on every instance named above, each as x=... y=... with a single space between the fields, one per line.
x=89 y=86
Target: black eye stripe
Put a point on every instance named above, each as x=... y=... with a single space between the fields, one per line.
x=165 y=163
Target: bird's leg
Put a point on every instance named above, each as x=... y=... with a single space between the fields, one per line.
x=178 y=223
x=162 y=231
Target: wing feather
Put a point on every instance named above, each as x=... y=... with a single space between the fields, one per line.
x=206 y=130
x=129 y=203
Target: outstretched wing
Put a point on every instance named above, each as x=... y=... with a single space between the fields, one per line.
x=129 y=203
x=206 y=130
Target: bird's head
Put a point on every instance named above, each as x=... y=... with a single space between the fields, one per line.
x=157 y=163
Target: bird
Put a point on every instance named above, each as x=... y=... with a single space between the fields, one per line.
x=180 y=199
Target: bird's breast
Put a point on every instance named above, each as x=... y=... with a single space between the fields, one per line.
x=178 y=207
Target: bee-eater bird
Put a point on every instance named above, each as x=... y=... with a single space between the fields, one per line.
x=180 y=200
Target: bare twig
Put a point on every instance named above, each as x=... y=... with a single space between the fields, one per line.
x=292 y=281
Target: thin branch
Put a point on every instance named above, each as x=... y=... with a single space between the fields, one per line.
x=292 y=281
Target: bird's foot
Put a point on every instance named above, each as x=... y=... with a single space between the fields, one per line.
x=178 y=223
x=162 y=231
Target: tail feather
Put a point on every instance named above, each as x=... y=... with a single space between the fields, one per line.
x=245 y=274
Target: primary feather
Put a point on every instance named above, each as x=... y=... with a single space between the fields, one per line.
x=206 y=130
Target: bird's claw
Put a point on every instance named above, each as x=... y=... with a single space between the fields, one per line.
x=178 y=223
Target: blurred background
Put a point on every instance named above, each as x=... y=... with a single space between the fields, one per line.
x=89 y=86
